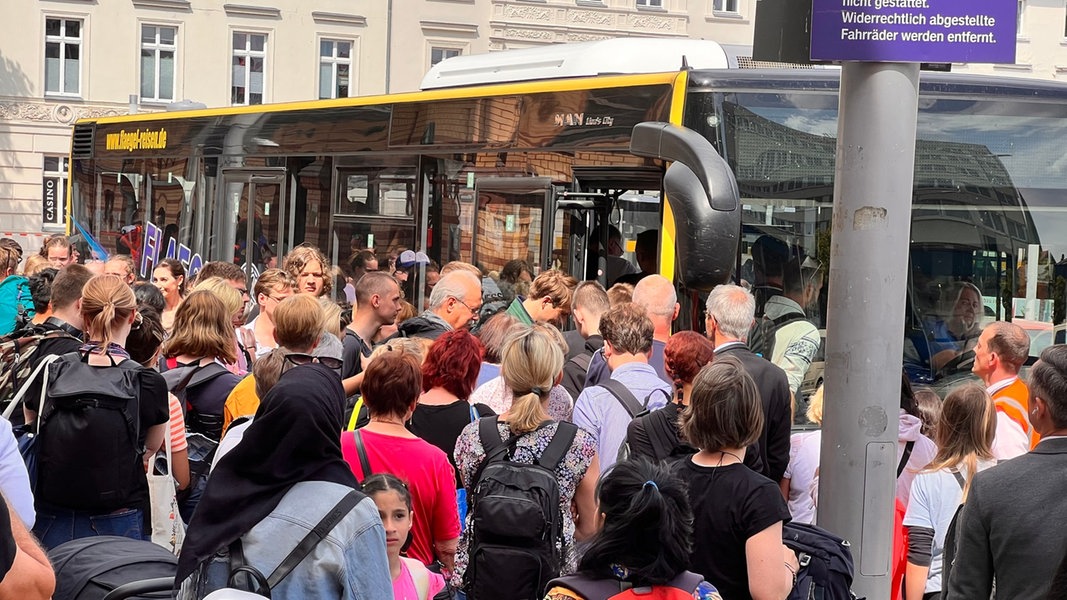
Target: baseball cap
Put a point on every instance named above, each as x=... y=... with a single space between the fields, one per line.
x=410 y=258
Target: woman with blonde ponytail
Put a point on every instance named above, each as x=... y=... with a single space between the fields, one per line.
x=531 y=364
x=91 y=473
x=964 y=436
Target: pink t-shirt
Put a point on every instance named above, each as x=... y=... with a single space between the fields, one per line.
x=404 y=584
x=429 y=476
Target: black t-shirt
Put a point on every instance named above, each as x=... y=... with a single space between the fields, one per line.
x=730 y=504
x=441 y=425
x=351 y=355
x=7 y=541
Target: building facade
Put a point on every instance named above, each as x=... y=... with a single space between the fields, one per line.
x=61 y=60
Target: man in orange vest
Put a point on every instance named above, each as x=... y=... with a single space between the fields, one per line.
x=1001 y=351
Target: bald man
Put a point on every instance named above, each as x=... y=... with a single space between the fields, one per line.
x=656 y=295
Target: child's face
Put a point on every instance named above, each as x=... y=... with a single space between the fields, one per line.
x=396 y=518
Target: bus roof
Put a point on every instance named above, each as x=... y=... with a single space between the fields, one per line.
x=585 y=59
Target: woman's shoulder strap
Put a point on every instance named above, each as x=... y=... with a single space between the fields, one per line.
x=489 y=434
x=559 y=445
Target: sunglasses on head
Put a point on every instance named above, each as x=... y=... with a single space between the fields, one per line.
x=298 y=359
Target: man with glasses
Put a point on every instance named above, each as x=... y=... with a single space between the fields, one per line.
x=273 y=286
x=549 y=300
x=454 y=304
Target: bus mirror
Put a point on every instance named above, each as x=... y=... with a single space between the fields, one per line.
x=703 y=195
x=679 y=144
x=705 y=238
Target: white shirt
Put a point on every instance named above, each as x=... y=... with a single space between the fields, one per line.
x=14 y=480
x=804 y=451
x=1010 y=440
x=934 y=499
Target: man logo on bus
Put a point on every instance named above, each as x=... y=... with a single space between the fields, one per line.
x=580 y=120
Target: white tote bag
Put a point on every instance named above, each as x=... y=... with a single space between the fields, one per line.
x=168 y=530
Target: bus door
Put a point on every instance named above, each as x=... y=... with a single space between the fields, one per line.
x=624 y=202
x=250 y=223
x=581 y=212
x=515 y=219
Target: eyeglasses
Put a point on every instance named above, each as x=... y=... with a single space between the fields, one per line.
x=297 y=359
x=474 y=311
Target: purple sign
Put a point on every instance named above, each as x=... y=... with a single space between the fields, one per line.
x=936 y=31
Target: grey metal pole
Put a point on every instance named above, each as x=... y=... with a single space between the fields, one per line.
x=865 y=313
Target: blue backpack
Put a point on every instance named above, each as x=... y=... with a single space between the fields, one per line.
x=16 y=304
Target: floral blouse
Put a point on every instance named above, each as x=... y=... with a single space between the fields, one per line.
x=496 y=395
x=571 y=470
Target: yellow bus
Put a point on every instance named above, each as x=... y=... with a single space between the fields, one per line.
x=524 y=154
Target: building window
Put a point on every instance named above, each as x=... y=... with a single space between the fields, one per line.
x=62 y=56
x=439 y=54
x=650 y=3
x=729 y=6
x=249 y=66
x=53 y=213
x=1020 y=12
x=335 y=69
x=159 y=45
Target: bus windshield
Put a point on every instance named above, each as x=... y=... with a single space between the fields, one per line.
x=988 y=208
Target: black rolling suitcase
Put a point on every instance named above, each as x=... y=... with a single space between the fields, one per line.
x=112 y=568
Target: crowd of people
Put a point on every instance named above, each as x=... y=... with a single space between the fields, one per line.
x=464 y=452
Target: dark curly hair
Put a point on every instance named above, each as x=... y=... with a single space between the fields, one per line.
x=648 y=524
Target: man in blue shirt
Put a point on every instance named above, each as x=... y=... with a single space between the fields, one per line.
x=627 y=333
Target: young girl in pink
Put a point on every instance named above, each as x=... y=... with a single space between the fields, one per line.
x=411 y=579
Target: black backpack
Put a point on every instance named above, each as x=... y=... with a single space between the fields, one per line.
x=761 y=338
x=89 y=454
x=93 y=567
x=661 y=428
x=516 y=538
x=184 y=382
x=826 y=567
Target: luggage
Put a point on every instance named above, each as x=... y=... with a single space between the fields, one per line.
x=94 y=567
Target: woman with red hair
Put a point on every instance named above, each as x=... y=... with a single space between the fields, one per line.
x=656 y=435
x=449 y=375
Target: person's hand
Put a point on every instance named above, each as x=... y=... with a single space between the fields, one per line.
x=247 y=339
x=790 y=558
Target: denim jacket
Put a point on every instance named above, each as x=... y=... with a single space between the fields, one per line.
x=349 y=564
